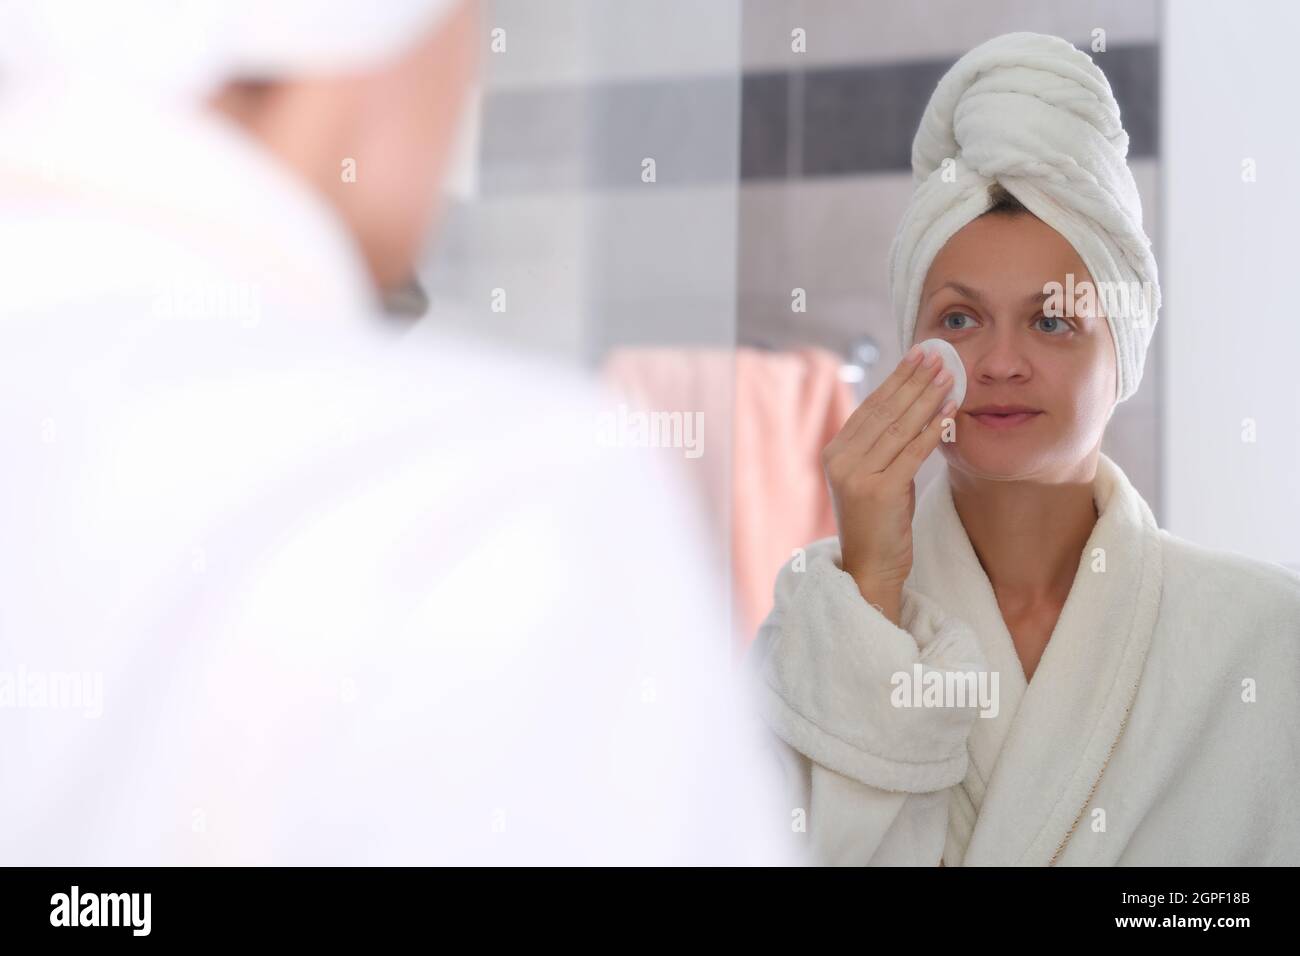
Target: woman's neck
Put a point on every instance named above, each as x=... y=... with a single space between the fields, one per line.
x=1028 y=535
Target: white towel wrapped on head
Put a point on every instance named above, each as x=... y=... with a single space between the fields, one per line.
x=1035 y=114
x=183 y=50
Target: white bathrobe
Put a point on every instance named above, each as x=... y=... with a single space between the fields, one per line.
x=1161 y=727
x=278 y=585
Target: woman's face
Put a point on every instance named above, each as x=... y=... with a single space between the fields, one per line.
x=985 y=294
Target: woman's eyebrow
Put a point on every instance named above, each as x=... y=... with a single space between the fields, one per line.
x=963 y=290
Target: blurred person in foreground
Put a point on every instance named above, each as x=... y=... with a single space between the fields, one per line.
x=279 y=586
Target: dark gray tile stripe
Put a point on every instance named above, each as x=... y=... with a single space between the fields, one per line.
x=765 y=126
x=828 y=121
x=862 y=119
x=596 y=137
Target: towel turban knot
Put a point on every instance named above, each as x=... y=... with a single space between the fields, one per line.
x=1036 y=115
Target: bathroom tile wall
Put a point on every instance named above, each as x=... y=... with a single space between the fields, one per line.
x=774 y=170
x=592 y=255
x=583 y=92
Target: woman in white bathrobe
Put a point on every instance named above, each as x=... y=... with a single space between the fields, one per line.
x=278 y=585
x=1020 y=667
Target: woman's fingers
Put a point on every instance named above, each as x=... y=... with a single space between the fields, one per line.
x=908 y=423
x=883 y=411
x=902 y=470
x=905 y=369
x=873 y=499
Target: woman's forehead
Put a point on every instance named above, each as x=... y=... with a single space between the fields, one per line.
x=1003 y=257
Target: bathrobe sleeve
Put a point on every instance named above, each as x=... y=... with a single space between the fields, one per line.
x=867 y=780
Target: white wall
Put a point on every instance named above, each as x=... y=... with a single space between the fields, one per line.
x=1232 y=320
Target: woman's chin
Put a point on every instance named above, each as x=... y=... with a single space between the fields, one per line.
x=1000 y=463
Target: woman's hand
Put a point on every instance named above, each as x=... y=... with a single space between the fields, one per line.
x=871 y=466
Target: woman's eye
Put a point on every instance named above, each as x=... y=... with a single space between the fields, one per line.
x=954 y=315
x=1057 y=328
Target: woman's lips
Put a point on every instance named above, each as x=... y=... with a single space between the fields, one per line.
x=1005 y=421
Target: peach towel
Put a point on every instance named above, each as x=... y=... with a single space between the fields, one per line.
x=763 y=474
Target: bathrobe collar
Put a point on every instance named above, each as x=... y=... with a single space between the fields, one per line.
x=1034 y=766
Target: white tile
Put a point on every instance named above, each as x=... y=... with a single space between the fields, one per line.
x=535 y=248
x=870 y=31
x=568 y=42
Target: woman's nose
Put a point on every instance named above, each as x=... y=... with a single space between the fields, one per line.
x=998 y=356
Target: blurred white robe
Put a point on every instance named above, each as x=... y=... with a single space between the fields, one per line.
x=347 y=597
x=1161 y=727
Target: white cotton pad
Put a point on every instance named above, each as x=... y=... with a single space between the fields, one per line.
x=952 y=362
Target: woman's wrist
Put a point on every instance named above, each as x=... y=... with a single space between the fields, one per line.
x=884 y=596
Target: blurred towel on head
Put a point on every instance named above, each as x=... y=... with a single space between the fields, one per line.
x=183 y=50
